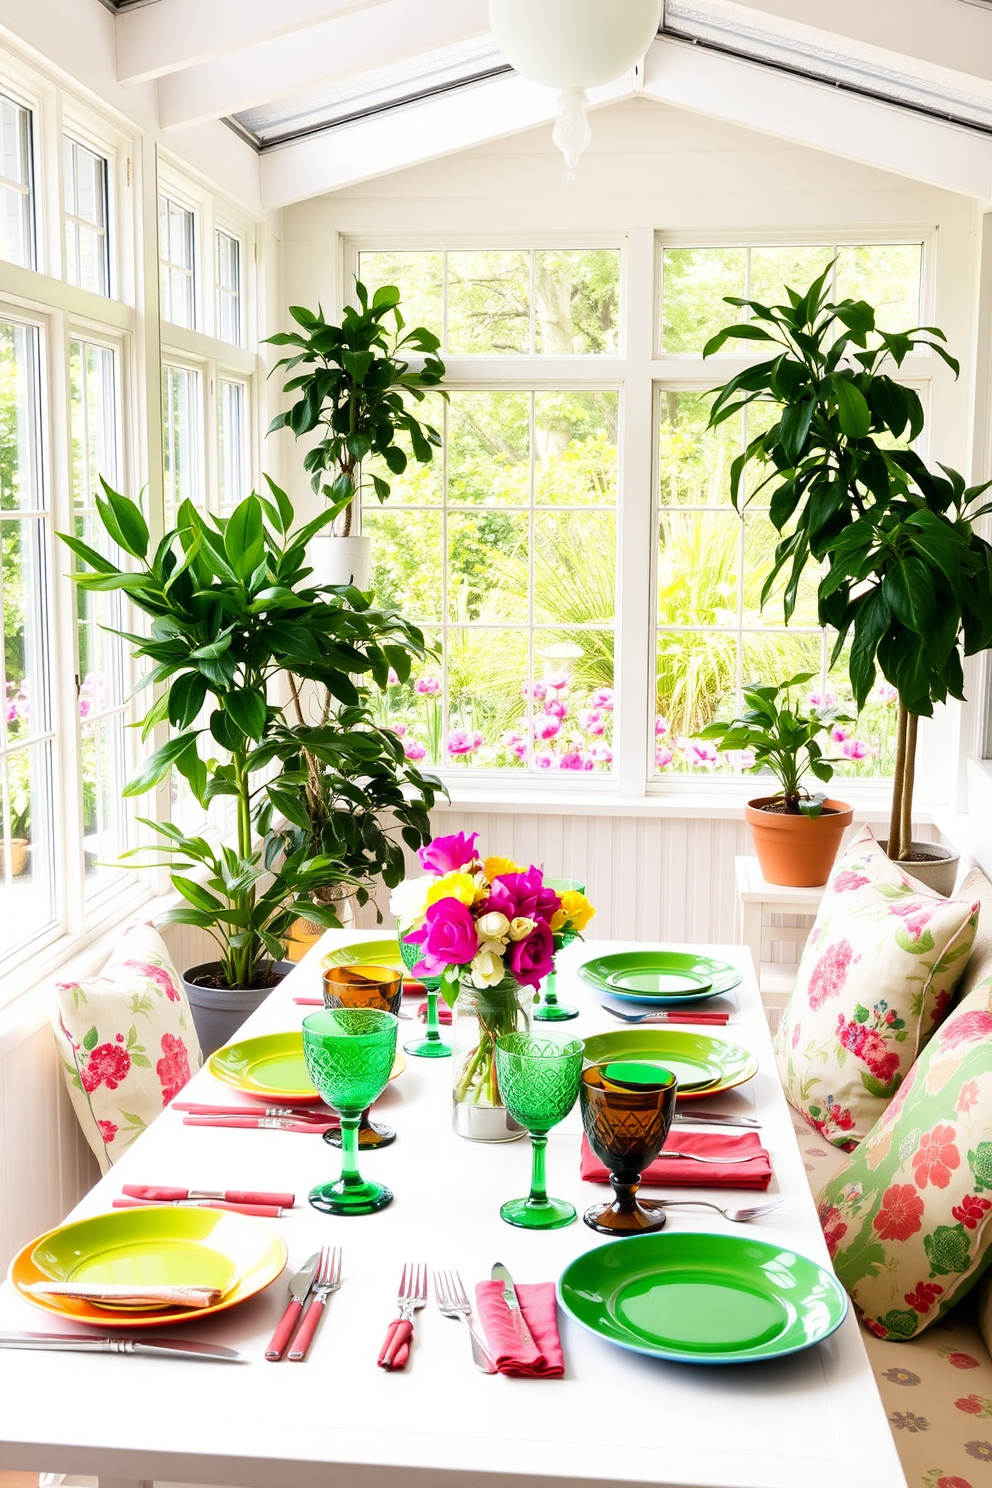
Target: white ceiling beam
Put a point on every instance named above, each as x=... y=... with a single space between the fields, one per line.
x=820 y=116
x=285 y=65
x=153 y=40
x=395 y=139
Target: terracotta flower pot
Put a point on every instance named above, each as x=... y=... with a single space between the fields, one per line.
x=797 y=850
x=18 y=856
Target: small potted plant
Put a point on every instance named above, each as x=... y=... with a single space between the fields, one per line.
x=234 y=613
x=20 y=836
x=796 y=835
x=356 y=393
x=906 y=579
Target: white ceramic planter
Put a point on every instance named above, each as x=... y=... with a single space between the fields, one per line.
x=939 y=873
x=341 y=560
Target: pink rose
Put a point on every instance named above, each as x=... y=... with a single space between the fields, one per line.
x=414 y=751
x=531 y=960
x=463 y=741
x=558 y=680
x=449 y=854
x=447 y=937
x=391 y=678
x=700 y=753
x=555 y=708
x=838 y=734
x=854 y=749
x=576 y=759
x=602 y=754
x=546 y=726
x=593 y=721
x=883 y=692
x=523 y=895
x=427 y=686
x=602 y=698
x=544 y=760
x=663 y=758
x=535 y=690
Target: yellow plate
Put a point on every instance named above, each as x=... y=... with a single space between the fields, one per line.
x=153 y=1246
x=272 y=1067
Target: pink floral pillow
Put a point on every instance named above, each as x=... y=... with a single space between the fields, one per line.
x=908 y=1217
x=126 y=1041
x=875 y=980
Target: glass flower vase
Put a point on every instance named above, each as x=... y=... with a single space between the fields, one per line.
x=480 y=1016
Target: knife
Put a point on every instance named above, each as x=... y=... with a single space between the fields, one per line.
x=713 y=1118
x=299 y=1290
x=177 y=1348
x=499 y=1273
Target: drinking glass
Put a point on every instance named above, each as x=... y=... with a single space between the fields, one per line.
x=349 y=1054
x=627 y=1110
x=539 y=1081
x=364 y=986
x=551 y=1010
x=432 y=1045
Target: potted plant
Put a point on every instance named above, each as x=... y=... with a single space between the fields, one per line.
x=796 y=835
x=907 y=580
x=357 y=395
x=232 y=610
x=20 y=834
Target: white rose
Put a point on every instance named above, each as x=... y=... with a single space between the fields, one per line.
x=487 y=968
x=494 y=926
x=408 y=901
x=521 y=927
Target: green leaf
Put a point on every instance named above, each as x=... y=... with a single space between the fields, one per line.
x=157 y=766
x=90 y=1038
x=244 y=542
x=194 y=893
x=123 y=520
x=853 y=412
x=186 y=697
x=248 y=711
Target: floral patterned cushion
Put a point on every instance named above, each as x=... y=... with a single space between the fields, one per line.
x=126 y=1041
x=875 y=979
x=908 y=1216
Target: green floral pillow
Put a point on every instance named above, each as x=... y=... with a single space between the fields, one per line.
x=908 y=1218
x=875 y=980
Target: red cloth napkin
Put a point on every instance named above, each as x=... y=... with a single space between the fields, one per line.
x=681 y=1172
x=540 y=1310
x=443 y=1012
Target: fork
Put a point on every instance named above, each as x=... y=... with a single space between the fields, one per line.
x=683 y=1015
x=412 y=1294
x=326 y=1281
x=453 y=1302
x=739 y=1215
x=720 y=1161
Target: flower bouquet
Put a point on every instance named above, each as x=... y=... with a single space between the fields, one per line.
x=484 y=929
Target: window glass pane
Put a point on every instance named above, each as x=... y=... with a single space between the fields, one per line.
x=180 y=416
x=419 y=277
x=87 y=243
x=693 y=461
x=795 y=266
x=228 y=289
x=694 y=282
x=867 y=746
x=407 y=559
x=489 y=303
x=28 y=897
x=232 y=434
x=699 y=565
x=576 y=301
x=889 y=277
x=16 y=184
x=575 y=449
x=176 y=247
x=488 y=455
x=696 y=682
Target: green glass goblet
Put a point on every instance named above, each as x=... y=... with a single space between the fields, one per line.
x=627 y=1109
x=551 y=1010
x=539 y=1082
x=432 y=1045
x=349 y=1054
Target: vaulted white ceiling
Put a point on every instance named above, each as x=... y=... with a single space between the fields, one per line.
x=337 y=91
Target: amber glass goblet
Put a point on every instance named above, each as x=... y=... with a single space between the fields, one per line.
x=363 y=986
x=627 y=1110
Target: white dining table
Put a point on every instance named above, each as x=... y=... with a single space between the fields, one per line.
x=811 y=1420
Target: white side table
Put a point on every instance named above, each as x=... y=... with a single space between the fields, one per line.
x=763 y=938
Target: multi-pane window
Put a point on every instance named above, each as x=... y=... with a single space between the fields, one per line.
x=181 y=443
x=29 y=883
x=16 y=184
x=227 y=288
x=177 y=251
x=86 y=210
x=102 y=682
x=712 y=633
x=233 y=464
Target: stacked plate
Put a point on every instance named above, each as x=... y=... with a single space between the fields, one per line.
x=272 y=1067
x=702 y=1065
x=659 y=977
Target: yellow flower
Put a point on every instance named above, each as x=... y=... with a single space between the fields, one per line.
x=495 y=866
x=460 y=886
x=575 y=912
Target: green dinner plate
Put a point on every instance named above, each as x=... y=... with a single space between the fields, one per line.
x=659 y=977
x=702 y=1065
x=702 y=1299
x=371 y=952
x=272 y=1065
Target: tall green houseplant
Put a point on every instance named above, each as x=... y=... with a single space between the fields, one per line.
x=907 y=579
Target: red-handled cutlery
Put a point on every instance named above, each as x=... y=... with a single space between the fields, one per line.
x=262 y=1123
x=399 y=1335
x=299 y=1291
x=327 y=1280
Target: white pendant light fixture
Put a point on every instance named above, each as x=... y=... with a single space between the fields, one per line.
x=573 y=45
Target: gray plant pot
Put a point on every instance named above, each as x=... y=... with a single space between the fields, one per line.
x=218 y=1012
x=940 y=873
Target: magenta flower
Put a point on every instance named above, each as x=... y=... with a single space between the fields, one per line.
x=558 y=680
x=854 y=749
x=391 y=678
x=414 y=751
x=447 y=937
x=602 y=754
x=838 y=734
x=821 y=698
x=602 y=698
x=463 y=741
x=427 y=686
x=544 y=760
x=523 y=894
x=399 y=729
x=555 y=708
x=883 y=692
x=576 y=759
x=449 y=854
x=537 y=690
x=593 y=721
x=700 y=753
x=546 y=726
x=741 y=759
x=660 y=727
x=663 y=758
x=531 y=960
